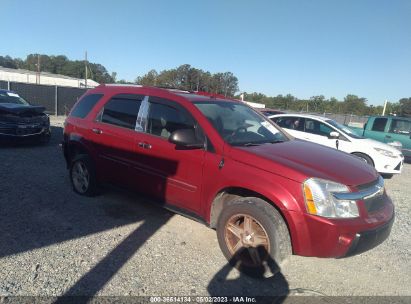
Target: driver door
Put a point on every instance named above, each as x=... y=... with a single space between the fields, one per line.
x=172 y=174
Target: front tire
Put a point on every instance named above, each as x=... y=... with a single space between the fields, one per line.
x=365 y=158
x=253 y=236
x=83 y=176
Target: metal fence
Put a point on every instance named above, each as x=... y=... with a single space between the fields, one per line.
x=346 y=119
x=57 y=100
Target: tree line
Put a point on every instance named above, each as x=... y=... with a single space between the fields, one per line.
x=59 y=65
x=186 y=77
x=351 y=104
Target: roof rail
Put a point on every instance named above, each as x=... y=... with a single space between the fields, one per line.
x=170 y=89
x=211 y=95
x=120 y=85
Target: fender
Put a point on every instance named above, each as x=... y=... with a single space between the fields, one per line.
x=76 y=141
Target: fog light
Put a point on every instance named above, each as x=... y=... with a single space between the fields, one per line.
x=345 y=240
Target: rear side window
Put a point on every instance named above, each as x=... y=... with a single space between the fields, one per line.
x=122 y=110
x=294 y=123
x=379 y=124
x=85 y=105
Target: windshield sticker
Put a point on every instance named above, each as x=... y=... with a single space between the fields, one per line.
x=269 y=127
x=12 y=94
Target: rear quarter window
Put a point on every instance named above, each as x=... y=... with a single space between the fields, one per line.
x=84 y=106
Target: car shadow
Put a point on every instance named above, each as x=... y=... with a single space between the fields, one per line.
x=265 y=282
x=38 y=208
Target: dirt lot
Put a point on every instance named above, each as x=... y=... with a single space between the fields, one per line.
x=54 y=242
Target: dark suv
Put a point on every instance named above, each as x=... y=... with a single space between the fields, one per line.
x=218 y=160
x=21 y=120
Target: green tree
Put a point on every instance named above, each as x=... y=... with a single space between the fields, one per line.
x=405 y=106
x=355 y=105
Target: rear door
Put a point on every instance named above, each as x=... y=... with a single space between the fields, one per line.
x=113 y=136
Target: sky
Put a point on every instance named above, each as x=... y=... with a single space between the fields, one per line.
x=304 y=48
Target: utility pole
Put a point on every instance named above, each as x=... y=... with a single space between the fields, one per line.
x=385 y=106
x=38 y=69
x=85 y=65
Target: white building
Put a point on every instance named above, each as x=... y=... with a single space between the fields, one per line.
x=252 y=104
x=26 y=76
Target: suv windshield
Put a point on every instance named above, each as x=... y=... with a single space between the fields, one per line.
x=10 y=97
x=239 y=125
x=343 y=129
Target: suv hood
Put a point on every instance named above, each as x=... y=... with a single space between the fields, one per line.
x=298 y=160
x=19 y=109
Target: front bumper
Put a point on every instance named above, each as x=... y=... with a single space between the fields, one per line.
x=336 y=238
x=390 y=165
x=24 y=131
x=369 y=239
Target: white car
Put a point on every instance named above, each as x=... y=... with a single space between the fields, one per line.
x=386 y=159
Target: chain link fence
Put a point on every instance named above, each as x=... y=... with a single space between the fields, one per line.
x=56 y=99
x=345 y=119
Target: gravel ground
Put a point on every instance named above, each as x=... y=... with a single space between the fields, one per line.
x=54 y=242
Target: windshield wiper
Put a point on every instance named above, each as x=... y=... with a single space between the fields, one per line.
x=248 y=144
x=274 y=141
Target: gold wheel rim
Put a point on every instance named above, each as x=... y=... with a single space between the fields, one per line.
x=247 y=239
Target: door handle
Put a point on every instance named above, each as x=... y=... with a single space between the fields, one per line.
x=144 y=145
x=97 y=131
x=387 y=136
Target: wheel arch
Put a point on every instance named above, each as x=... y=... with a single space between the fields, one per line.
x=355 y=153
x=74 y=146
x=231 y=193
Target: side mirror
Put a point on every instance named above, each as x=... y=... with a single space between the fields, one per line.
x=334 y=135
x=186 y=138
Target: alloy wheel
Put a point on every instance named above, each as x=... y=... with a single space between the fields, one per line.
x=80 y=177
x=247 y=238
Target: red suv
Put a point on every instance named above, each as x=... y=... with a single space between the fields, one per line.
x=268 y=195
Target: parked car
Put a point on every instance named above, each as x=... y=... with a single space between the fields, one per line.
x=324 y=131
x=388 y=129
x=268 y=111
x=19 y=119
x=220 y=161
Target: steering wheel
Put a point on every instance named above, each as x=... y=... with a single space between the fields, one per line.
x=236 y=131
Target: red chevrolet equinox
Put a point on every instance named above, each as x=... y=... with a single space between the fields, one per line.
x=267 y=194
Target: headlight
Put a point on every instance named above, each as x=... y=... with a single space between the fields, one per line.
x=385 y=152
x=319 y=199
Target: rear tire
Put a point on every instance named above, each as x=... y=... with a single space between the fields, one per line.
x=365 y=158
x=83 y=175
x=253 y=236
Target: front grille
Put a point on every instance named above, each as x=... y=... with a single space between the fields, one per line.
x=7 y=131
x=375 y=203
x=27 y=131
x=20 y=131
